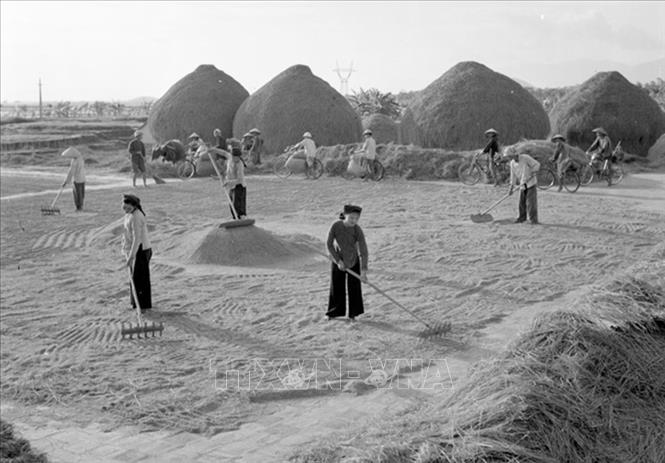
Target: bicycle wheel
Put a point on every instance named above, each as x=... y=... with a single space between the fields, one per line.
x=571 y=181
x=377 y=171
x=616 y=174
x=186 y=169
x=546 y=179
x=316 y=170
x=280 y=168
x=469 y=173
x=586 y=175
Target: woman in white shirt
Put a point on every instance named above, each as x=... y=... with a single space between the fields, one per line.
x=76 y=175
x=137 y=250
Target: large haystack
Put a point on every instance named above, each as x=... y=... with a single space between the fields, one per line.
x=608 y=100
x=657 y=151
x=294 y=102
x=455 y=110
x=384 y=129
x=199 y=102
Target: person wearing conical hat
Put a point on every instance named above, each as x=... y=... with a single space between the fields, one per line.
x=220 y=142
x=562 y=157
x=492 y=148
x=137 y=250
x=76 y=175
x=254 y=145
x=136 y=150
x=523 y=171
x=348 y=249
x=367 y=151
x=601 y=146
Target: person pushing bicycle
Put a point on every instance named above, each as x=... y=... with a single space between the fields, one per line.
x=308 y=147
x=561 y=157
x=367 y=151
x=492 y=148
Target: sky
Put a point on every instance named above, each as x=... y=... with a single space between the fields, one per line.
x=85 y=50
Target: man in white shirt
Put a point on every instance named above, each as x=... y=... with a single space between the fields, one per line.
x=308 y=146
x=523 y=170
x=76 y=175
x=368 y=151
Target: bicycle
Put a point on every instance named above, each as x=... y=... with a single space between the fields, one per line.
x=170 y=151
x=281 y=170
x=186 y=169
x=603 y=169
x=548 y=176
x=471 y=170
x=374 y=171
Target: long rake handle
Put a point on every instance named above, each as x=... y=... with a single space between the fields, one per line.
x=495 y=204
x=136 y=298
x=384 y=294
x=57 y=196
x=221 y=182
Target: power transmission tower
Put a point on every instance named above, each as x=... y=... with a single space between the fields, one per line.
x=344 y=74
x=40 y=97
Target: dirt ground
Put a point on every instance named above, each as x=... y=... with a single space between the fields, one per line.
x=65 y=292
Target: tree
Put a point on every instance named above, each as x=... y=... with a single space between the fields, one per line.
x=656 y=90
x=372 y=101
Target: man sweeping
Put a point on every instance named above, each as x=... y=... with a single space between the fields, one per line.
x=561 y=157
x=137 y=155
x=76 y=175
x=235 y=180
x=523 y=170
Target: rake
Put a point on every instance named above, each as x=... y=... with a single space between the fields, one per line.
x=484 y=216
x=141 y=328
x=52 y=210
x=432 y=330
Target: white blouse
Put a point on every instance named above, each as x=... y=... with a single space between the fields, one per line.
x=135 y=233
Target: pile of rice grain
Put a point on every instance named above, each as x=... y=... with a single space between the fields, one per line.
x=294 y=102
x=610 y=101
x=248 y=246
x=200 y=102
x=454 y=111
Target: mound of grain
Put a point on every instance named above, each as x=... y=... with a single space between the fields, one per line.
x=384 y=129
x=199 y=102
x=244 y=247
x=608 y=100
x=455 y=110
x=294 y=102
x=657 y=152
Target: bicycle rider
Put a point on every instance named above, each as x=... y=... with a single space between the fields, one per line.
x=561 y=157
x=601 y=147
x=492 y=148
x=367 y=151
x=307 y=146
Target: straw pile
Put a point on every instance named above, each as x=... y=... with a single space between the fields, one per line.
x=657 y=152
x=455 y=110
x=608 y=100
x=243 y=247
x=199 y=102
x=542 y=150
x=577 y=387
x=16 y=449
x=384 y=129
x=410 y=162
x=294 y=102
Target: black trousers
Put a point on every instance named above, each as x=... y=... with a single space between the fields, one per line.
x=141 y=278
x=239 y=197
x=79 y=195
x=528 y=204
x=339 y=282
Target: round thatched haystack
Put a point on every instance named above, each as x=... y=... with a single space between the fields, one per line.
x=199 y=102
x=383 y=128
x=657 y=151
x=455 y=110
x=608 y=100
x=294 y=102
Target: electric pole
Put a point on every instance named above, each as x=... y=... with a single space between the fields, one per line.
x=344 y=74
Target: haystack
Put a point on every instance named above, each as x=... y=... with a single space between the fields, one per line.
x=243 y=247
x=384 y=129
x=608 y=100
x=455 y=110
x=542 y=150
x=294 y=102
x=657 y=151
x=199 y=102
